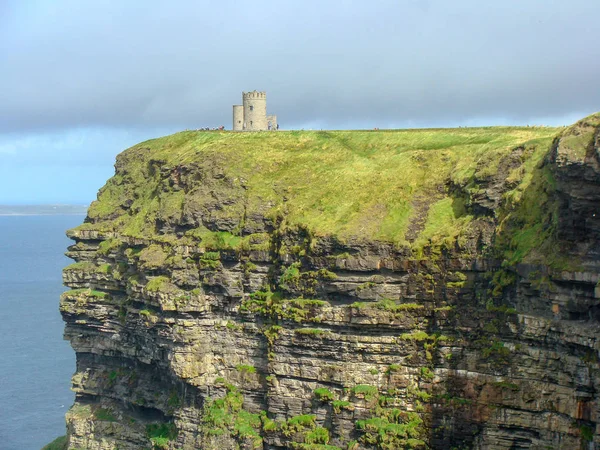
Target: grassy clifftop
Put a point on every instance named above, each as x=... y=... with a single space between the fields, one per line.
x=415 y=188
x=380 y=185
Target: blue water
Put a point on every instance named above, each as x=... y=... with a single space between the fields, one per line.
x=36 y=365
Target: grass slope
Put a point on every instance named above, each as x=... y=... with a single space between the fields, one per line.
x=351 y=184
x=60 y=443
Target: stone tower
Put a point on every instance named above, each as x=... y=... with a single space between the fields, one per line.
x=238 y=117
x=252 y=114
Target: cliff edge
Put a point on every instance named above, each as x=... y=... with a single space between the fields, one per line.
x=341 y=290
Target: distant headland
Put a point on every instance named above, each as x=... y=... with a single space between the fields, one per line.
x=42 y=210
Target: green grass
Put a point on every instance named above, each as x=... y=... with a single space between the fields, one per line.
x=152 y=257
x=319 y=435
x=324 y=394
x=577 y=140
x=586 y=431
x=105 y=415
x=506 y=385
x=157 y=284
x=86 y=293
x=339 y=405
x=60 y=443
x=226 y=414
x=343 y=183
x=365 y=390
x=213 y=256
x=88 y=266
x=216 y=240
x=305 y=446
x=388 y=305
x=272 y=305
x=427 y=373
x=245 y=368
x=104 y=268
x=149 y=316
x=393 y=368
x=109 y=245
x=392 y=429
x=300 y=423
x=416 y=336
x=310 y=332
x=161 y=434
x=446 y=220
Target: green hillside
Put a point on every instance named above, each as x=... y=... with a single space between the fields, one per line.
x=414 y=188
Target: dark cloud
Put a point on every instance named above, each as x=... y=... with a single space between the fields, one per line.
x=341 y=64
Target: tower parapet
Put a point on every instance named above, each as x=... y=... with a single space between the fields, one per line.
x=252 y=114
x=254 y=95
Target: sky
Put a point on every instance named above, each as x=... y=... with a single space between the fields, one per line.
x=80 y=81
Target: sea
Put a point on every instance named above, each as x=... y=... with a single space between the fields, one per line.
x=36 y=364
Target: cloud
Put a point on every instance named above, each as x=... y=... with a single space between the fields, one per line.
x=71 y=64
x=81 y=81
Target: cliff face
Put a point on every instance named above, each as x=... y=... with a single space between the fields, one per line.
x=341 y=290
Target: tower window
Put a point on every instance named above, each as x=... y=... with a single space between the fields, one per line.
x=251 y=108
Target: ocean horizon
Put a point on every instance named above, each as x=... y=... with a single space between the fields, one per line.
x=44 y=210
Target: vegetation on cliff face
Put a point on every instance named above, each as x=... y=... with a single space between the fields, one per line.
x=60 y=443
x=410 y=187
x=530 y=214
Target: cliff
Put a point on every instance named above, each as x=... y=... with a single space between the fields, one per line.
x=341 y=290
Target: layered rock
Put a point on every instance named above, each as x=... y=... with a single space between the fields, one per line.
x=210 y=321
